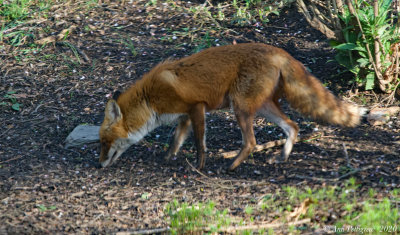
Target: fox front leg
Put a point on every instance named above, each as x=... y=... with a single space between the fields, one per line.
x=197 y=117
x=181 y=133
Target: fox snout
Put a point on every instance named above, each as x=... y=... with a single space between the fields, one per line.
x=110 y=152
x=109 y=156
x=105 y=159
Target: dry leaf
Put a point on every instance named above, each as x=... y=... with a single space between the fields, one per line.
x=300 y=210
x=64 y=33
x=78 y=194
x=46 y=40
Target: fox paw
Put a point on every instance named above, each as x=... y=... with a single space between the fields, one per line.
x=170 y=156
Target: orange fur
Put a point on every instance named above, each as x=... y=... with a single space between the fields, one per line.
x=250 y=77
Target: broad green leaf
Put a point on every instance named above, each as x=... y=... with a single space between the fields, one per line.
x=369 y=84
x=343 y=60
x=363 y=62
x=346 y=46
x=333 y=43
x=16 y=106
x=382 y=30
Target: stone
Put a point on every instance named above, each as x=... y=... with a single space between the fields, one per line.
x=380 y=116
x=81 y=135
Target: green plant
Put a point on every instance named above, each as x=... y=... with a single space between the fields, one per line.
x=19 y=10
x=252 y=11
x=16 y=38
x=43 y=208
x=12 y=10
x=185 y=218
x=379 y=217
x=204 y=42
x=368 y=43
x=220 y=14
x=145 y=196
x=11 y=100
x=129 y=44
x=151 y=3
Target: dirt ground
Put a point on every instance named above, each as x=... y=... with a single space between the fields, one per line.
x=45 y=188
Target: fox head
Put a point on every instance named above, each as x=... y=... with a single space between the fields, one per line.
x=113 y=135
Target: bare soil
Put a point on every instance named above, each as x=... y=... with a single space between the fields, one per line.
x=45 y=188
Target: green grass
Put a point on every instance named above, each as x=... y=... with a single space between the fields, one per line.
x=353 y=211
x=20 y=10
x=185 y=218
x=129 y=44
x=14 y=9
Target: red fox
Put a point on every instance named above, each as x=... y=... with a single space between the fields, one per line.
x=250 y=78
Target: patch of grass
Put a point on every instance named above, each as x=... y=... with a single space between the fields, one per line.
x=128 y=43
x=185 y=218
x=376 y=216
x=20 y=10
x=91 y=4
x=203 y=42
x=44 y=208
x=12 y=10
x=253 y=11
x=151 y=3
x=74 y=51
x=358 y=212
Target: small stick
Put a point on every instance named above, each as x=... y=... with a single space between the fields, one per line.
x=270 y=144
x=346 y=155
x=146 y=231
x=337 y=178
x=195 y=169
x=202 y=174
x=11 y=159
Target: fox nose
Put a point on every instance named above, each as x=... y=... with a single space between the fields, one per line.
x=97 y=165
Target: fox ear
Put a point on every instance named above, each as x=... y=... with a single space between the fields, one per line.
x=113 y=112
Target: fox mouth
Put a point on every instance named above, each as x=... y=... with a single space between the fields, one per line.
x=110 y=160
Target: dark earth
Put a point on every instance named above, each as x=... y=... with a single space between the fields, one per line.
x=47 y=189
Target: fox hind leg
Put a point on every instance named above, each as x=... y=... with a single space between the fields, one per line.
x=181 y=133
x=272 y=112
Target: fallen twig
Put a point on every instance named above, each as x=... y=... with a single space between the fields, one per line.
x=346 y=155
x=146 y=231
x=195 y=169
x=337 y=178
x=204 y=182
x=271 y=144
x=12 y=159
x=5 y=132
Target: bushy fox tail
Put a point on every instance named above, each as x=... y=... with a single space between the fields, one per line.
x=306 y=94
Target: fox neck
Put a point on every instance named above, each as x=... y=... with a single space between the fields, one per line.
x=139 y=115
x=146 y=120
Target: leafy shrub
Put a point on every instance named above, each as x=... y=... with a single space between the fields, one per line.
x=362 y=33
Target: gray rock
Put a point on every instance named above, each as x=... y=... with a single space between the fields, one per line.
x=82 y=134
x=380 y=116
